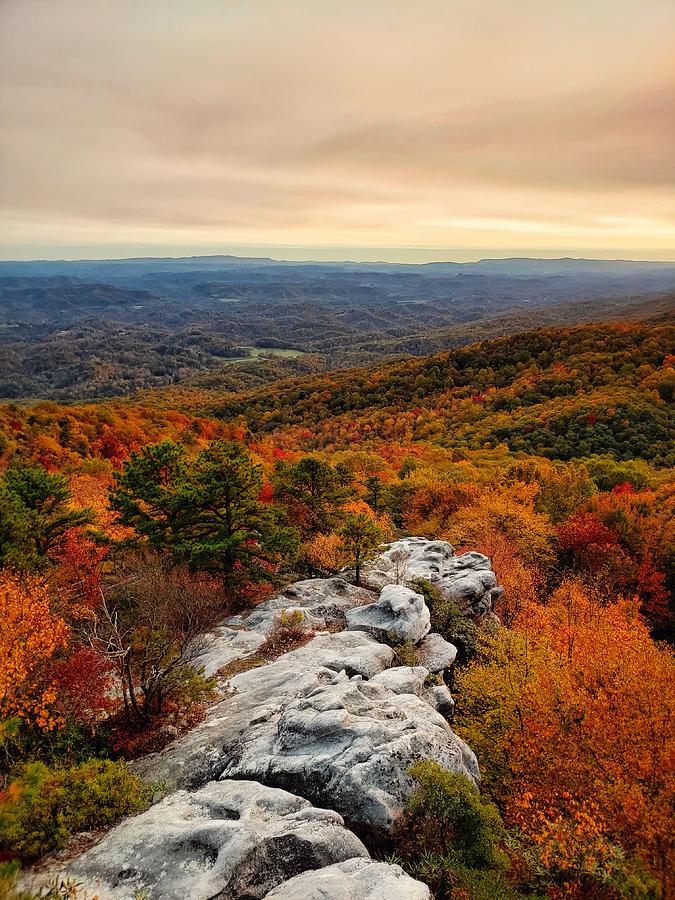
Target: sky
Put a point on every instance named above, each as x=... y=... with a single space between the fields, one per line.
x=330 y=129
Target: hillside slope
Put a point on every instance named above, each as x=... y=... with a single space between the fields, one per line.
x=562 y=393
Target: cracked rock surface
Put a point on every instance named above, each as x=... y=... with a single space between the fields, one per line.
x=259 y=796
x=233 y=839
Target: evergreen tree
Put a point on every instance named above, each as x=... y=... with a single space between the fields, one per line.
x=313 y=491
x=361 y=539
x=34 y=516
x=205 y=511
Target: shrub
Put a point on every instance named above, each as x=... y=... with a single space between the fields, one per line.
x=448 y=816
x=287 y=632
x=41 y=808
x=450 y=838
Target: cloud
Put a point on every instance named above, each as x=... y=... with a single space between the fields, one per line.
x=448 y=124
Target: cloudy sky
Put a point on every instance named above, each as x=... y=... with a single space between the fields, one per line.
x=398 y=129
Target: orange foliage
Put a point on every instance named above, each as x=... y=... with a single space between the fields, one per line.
x=30 y=636
x=583 y=715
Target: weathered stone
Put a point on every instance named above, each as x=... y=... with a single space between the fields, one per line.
x=355 y=879
x=399 y=614
x=435 y=653
x=259 y=695
x=468 y=579
x=351 y=744
x=234 y=839
x=441 y=699
x=323 y=602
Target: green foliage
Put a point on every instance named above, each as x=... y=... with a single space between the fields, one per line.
x=559 y=393
x=451 y=838
x=34 y=516
x=448 y=816
x=406 y=651
x=449 y=879
x=361 y=539
x=41 y=808
x=204 y=510
x=313 y=491
x=608 y=473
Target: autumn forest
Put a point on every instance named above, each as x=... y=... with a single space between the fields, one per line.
x=130 y=528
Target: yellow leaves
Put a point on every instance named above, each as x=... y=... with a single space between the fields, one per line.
x=325 y=553
x=29 y=637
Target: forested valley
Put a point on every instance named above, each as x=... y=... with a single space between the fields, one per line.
x=131 y=528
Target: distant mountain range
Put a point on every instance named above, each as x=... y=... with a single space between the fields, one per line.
x=85 y=329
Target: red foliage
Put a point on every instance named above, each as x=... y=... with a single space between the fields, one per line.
x=83 y=684
x=589 y=543
x=266 y=493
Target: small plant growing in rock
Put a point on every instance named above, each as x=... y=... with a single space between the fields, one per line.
x=406 y=651
x=400 y=560
x=288 y=631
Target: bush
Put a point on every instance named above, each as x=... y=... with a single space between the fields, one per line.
x=41 y=808
x=287 y=632
x=448 y=816
x=451 y=837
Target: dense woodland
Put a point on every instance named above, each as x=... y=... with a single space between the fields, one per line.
x=129 y=529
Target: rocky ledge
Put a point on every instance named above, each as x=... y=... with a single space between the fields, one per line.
x=261 y=796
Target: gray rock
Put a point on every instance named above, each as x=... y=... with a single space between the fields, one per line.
x=435 y=653
x=441 y=699
x=257 y=696
x=231 y=839
x=403 y=680
x=413 y=680
x=227 y=645
x=468 y=580
x=350 y=743
x=323 y=601
x=355 y=879
x=399 y=614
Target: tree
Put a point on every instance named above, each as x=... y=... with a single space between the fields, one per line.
x=35 y=516
x=151 y=627
x=313 y=491
x=361 y=539
x=29 y=637
x=206 y=511
x=571 y=714
x=374 y=488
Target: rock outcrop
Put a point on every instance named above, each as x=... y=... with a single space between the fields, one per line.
x=468 y=579
x=355 y=879
x=231 y=839
x=260 y=795
x=398 y=615
x=349 y=744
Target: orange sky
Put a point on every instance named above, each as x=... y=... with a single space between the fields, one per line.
x=317 y=128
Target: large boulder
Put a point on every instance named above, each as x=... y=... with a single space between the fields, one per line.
x=231 y=839
x=468 y=579
x=355 y=879
x=322 y=601
x=260 y=695
x=349 y=744
x=398 y=615
x=435 y=653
